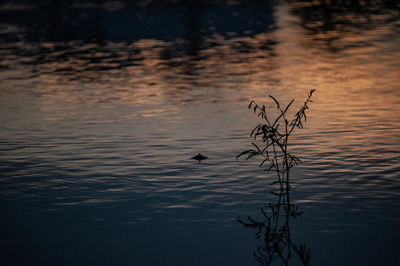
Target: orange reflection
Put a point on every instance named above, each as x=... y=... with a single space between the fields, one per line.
x=356 y=72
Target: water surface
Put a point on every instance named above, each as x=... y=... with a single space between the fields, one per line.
x=103 y=103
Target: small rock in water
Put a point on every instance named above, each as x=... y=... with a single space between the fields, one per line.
x=199 y=157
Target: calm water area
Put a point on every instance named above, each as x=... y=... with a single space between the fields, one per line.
x=103 y=103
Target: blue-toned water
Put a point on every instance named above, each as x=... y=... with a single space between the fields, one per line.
x=102 y=105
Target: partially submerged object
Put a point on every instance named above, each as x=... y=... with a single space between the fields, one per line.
x=199 y=157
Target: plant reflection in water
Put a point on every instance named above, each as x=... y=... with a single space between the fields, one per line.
x=275 y=226
x=275 y=229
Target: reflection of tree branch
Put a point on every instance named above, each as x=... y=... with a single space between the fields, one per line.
x=319 y=16
x=275 y=229
x=329 y=24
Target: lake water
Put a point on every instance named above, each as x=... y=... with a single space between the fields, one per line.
x=102 y=105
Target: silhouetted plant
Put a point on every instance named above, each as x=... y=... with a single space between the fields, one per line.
x=275 y=138
x=275 y=228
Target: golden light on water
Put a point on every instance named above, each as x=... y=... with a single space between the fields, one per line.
x=103 y=105
x=356 y=74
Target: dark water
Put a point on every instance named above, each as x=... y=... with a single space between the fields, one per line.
x=102 y=104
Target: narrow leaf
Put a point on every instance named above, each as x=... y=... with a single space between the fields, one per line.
x=277 y=103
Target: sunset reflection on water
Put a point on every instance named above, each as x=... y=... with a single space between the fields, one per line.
x=96 y=133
